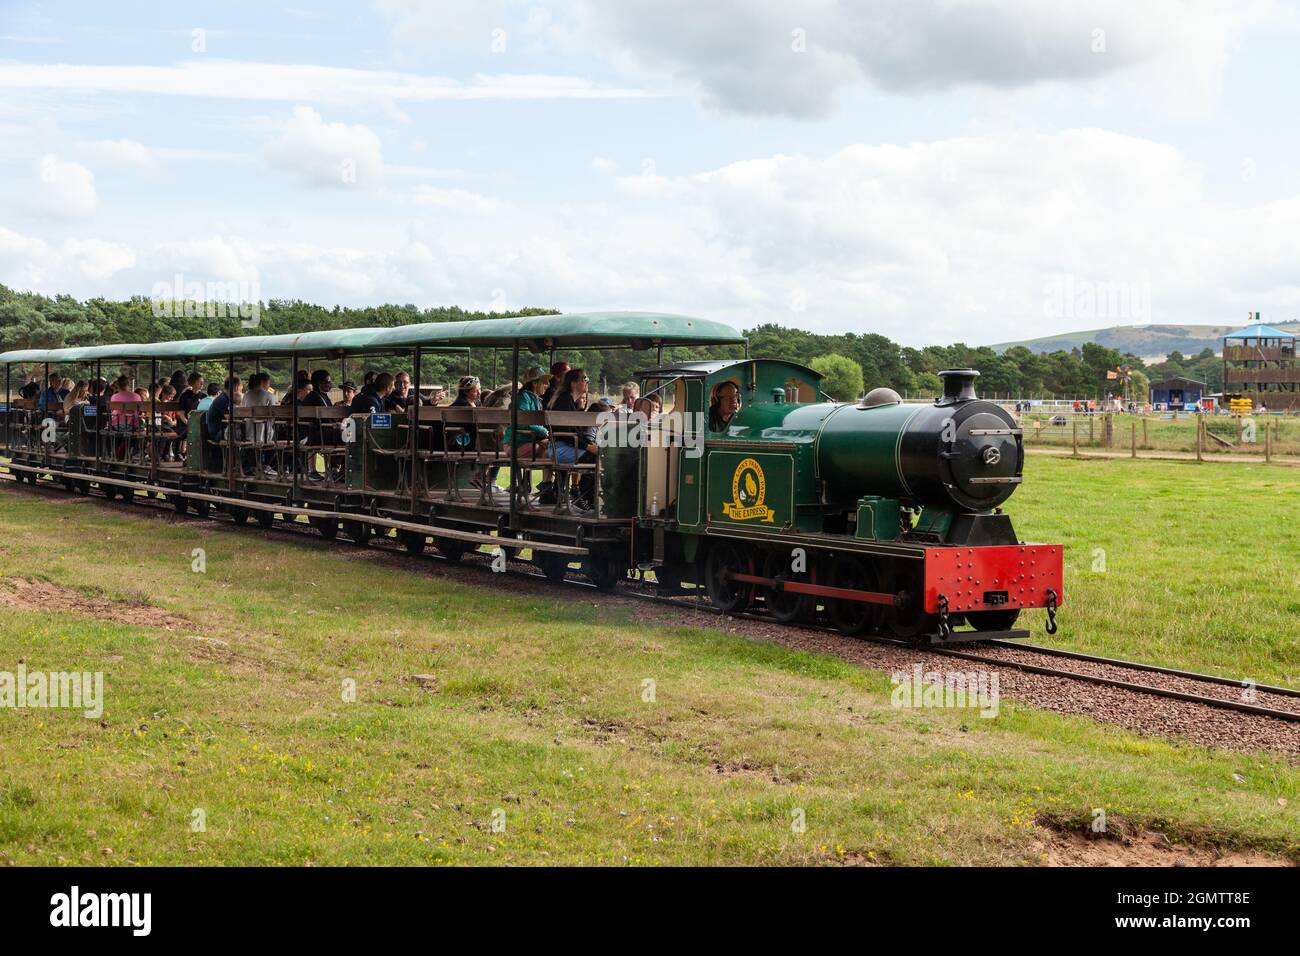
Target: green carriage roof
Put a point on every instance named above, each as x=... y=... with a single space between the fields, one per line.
x=641 y=330
x=538 y=332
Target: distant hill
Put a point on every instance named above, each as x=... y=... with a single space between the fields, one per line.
x=1151 y=343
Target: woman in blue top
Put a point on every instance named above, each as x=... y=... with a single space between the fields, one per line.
x=530 y=400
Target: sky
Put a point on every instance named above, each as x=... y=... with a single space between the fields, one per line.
x=931 y=170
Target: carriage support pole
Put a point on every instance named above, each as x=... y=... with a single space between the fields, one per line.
x=413 y=426
x=293 y=429
x=514 y=438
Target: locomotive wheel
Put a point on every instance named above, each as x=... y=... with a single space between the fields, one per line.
x=853 y=617
x=603 y=570
x=202 y=508
x=785 y=606
x=83 y=487
x=727 y=596
x=554 y=566
x=412 y=541
x=909 y=619
x=358 y=532
x=265 y=518
x=993 y=620
x=450 y=548
x=127 y=495
x=328 y=527
x=238 y=515
x=180 y=504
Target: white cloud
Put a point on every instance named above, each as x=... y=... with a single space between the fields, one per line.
x=959 y=239
x=64 y=190
x=458 y=199
x=97 y=259
x=327 y=154
x=226 y=79
x=126 y=153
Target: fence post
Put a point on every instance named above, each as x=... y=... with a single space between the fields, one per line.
x=1108 y=432
x=1074 y=435
x=1092 y=428
x=1241 y=424
x=1200 y=434
x=1144 y=431
x=1134 y=450
x=1268 y=440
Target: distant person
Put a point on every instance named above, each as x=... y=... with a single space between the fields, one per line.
x=631 y=392
x=349 y=390
x=31 y=388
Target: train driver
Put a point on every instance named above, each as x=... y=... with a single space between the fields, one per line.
x=723 y=407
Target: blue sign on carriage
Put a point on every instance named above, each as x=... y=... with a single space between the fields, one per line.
x=4 y=406
x=89 y=411
x=381 y=421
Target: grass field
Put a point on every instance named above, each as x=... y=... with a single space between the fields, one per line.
x=1180 y=563
x=225 y=695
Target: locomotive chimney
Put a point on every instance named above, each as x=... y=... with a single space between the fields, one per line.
x=958 y=386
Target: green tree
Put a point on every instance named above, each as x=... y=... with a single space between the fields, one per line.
x=841 y=377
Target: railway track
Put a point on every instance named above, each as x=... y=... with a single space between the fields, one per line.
x=1209 y=700
x=1103 y=671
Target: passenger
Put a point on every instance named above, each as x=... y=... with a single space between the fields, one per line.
x=220 y=408
x=349 y=389
x=65 y=388
x=437 y=394
x=31 y=388
x=300 y=389
x=320 y=389
x=189 y=398
x=53 y=395
x=631 y=392
x=259 y=395
x=556 y=386
x=317 y=397
x=467 y=396
x=530 y=400
x=648 y=406
x=369 y=378
x=80 y=396
x=124 y=418
x=178 y=381
x=402 y=394
x=371 y=400
x=169 y=431
x=213 y=390
x=576 y=445
x=724 y=405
